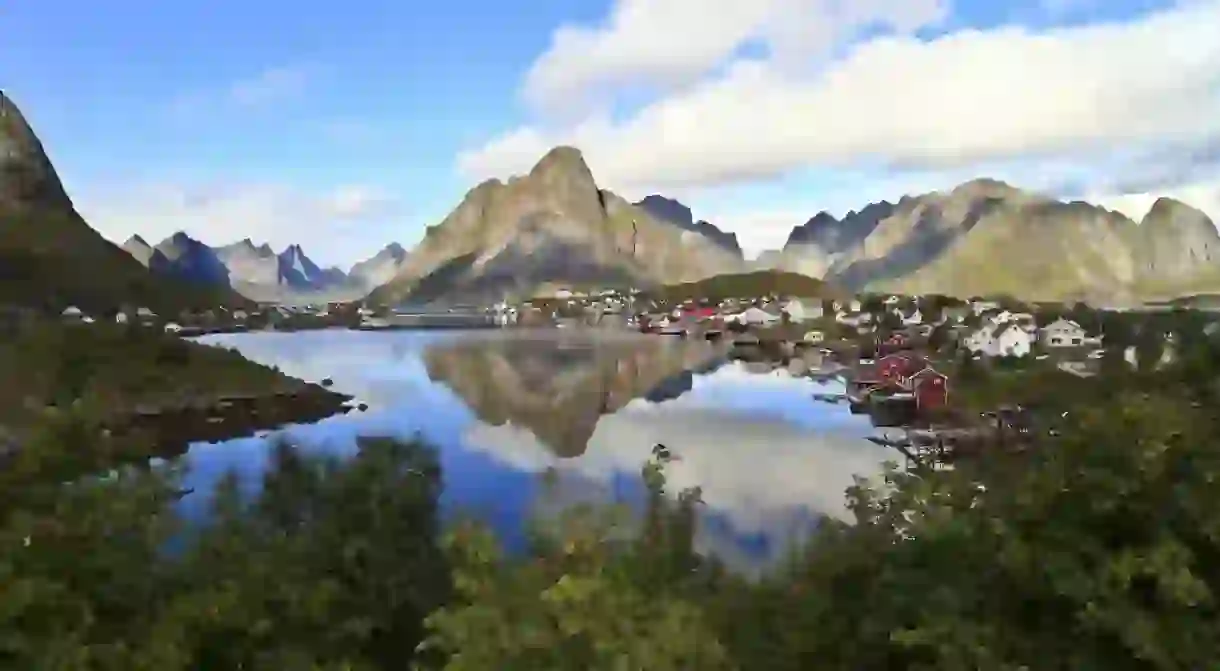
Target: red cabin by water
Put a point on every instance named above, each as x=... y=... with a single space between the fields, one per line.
x=931 y=388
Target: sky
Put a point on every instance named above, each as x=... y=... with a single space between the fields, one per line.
x=346 y=126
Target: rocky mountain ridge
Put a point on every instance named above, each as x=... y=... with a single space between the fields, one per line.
x=988 y=237
x=672 y=211
x=553 y=225
x=255 y=271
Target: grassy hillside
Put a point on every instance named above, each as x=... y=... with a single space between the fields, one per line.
x=745 y=285
x=113 y=369
x=50 y=258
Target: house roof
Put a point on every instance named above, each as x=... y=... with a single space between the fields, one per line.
x=928 y=371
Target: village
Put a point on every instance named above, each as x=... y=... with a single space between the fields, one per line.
x=918 y=364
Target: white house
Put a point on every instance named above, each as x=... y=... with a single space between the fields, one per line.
x=563 y=294
x=72 y=312
x=1002 y=340
x=1063 y=333
x=814 y=337
x=756 y=316
x=979 y=307
x=799 y=312
x=120 y=317
x=854 y=306
x=172 y=327
x=145 y=313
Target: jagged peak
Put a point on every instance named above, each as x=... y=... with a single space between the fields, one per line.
x=136 y=241
x=395 y=249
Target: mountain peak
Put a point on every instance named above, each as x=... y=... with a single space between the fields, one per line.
x=27 y=177
x=136 y=241
x=986 y=187
x=1166 y=207
x=562 y=158
x=668 y=209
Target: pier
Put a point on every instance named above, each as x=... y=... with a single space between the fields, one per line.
x=434 y=320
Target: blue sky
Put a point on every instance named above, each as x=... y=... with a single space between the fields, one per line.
x=344 y=126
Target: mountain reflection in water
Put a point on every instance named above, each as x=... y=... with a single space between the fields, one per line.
x=503 y=408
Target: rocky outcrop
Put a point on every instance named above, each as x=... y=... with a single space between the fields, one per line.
x=27 y=178
x=1178 y=243
x=987 y=237
x=674 y=212
x=553 y=225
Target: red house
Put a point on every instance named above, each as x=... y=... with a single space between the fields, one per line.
x=931 y=388
x=894 y=367
x=698 y=312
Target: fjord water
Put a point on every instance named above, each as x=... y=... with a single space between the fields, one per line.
x=529 y=422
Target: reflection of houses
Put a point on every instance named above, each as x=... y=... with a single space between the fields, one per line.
x=560 y=393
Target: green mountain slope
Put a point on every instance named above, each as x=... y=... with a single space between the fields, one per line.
x=50 y=258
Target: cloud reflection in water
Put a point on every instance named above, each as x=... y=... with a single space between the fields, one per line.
x=504 y=409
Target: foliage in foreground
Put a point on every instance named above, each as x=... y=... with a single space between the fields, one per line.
x=1099 y=551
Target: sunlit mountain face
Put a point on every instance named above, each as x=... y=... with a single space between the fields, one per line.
x=529 y=423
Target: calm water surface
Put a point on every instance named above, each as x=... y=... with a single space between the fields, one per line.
x=503 y=407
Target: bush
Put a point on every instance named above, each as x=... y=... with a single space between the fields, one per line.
x=1096 y=551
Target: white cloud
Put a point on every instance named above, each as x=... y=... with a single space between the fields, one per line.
x=961 y=100
x=670 y=43
x=271 y=85
x=277 y=214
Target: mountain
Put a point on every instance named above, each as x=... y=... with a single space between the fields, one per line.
x=146 y=254
x=250 y=264
x=189 y=259
x=674 y=212
x=298 y=271
x=254 y=271
x=51 y=258
x=552 y=226
x=987 y=237
x=380 y=268
x=560 y=393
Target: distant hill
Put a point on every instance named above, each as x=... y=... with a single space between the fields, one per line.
x=50 y=258
x=751 y=284
x=553 y=225
x=985 y=237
